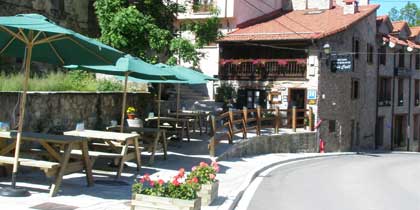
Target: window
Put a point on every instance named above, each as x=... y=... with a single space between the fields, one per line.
x=417 y=93
x=356 y=48
x=384 y=98
x=382 y=55
x=369 y=53
x=418 y=61
x=331 y=126
x=401 y=59
x=355 y=89
x=400 y=92
x=202 y=5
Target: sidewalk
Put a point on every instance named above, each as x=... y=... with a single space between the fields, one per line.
x=235 y=175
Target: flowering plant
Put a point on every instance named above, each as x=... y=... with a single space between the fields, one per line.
x=178 y=187
x=131 y=110
x=204 y=173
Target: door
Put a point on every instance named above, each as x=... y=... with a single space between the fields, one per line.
x=251 y=98
x=297 y=97
x=380 y=132
x=400 y=131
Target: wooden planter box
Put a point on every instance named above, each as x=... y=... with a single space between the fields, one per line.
x=208 y=193
x=147 y=202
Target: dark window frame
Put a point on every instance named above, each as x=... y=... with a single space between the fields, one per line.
x=400 y=90
x=355 y=88
x=369 y=57
x=401 y=58
x=356 y=47
x=382 y=55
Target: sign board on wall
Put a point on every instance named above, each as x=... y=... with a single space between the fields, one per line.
x=312 y=95
x=341 y=63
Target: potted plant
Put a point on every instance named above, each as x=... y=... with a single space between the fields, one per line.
x=177 y=194
x=131 y=112
x=132 y=120
x=205 y=176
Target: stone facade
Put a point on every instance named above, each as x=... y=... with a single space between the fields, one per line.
x=75 y=14
x=55 y=112
x=282 y=143
x=353 y=118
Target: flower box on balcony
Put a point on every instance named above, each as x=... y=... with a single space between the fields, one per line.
x=208 y=193
x=146 y=202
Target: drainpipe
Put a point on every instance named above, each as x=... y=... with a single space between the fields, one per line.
x=393 y=104
x=409 y=114
x=377 y=99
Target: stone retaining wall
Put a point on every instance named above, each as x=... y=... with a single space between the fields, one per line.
x=281 y=143
x=54 y=112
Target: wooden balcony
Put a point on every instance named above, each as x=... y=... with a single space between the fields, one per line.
x=262 y=69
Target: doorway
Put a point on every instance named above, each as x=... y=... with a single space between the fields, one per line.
x=400 y=131
x=380 y=132
x=297 y=97
x=251 y=98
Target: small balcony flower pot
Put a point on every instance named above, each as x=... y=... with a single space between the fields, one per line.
x=208 y=193
x=147 y=202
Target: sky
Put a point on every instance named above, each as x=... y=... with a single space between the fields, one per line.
x=386 y=5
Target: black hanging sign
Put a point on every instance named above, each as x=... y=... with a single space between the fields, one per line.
x=341 y=63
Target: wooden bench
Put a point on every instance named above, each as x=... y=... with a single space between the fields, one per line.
x=113 y=139
x=59 y=163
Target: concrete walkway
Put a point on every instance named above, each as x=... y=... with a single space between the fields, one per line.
x=235 y=175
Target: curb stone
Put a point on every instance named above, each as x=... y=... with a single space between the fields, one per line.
x=232 y=201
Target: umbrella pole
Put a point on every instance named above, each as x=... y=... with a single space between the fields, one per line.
x=124 y=103
x=178 y=90
x=159 y=97
x=14 y=192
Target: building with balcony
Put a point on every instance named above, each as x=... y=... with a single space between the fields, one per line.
x=398 y=121
x=310 y=54
x=231 y=13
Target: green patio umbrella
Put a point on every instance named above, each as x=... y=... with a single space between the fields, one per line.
x=133 y=67
x=187 y=74
x=34 y=37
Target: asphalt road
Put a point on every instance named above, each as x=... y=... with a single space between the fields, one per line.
x=360 y=182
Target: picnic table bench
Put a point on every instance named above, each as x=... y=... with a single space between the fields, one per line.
x=156 y=135
x=113 y=140
x=171 y=123
x=57 y=147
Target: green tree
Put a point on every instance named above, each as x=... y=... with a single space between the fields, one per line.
x=145 y=28
x=410 y=13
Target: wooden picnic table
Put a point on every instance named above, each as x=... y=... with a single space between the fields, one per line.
x=60 y=163
x=199 y=117
x=158 y=134
x=112 y=140
x=181 y=124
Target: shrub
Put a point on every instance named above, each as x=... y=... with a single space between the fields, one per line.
x=72 y=81
x=204 y=173
x=178 y=187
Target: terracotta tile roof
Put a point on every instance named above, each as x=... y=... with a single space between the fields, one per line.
x=300 y=25
x=415 y=31
x=399 y=26
x=396 y=40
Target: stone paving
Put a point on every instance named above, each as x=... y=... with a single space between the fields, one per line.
x=108 y=194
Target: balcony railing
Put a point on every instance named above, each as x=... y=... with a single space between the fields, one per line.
x=262 y=69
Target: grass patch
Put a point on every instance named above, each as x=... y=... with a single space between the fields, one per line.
x=72 y=81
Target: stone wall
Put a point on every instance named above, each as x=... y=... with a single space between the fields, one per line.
x=75 y=14
x=282 y=143
x=54 y=112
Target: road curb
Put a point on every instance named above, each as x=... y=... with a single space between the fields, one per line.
x=232 y=201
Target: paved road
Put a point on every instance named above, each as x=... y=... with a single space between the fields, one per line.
x=361 y=182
